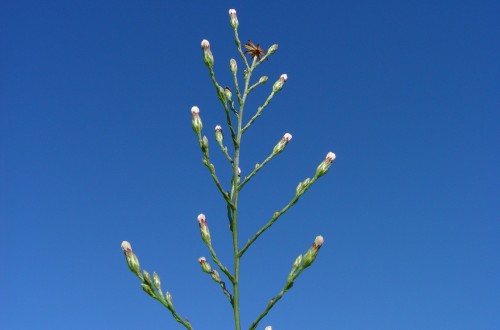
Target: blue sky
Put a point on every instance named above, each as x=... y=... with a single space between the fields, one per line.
x=96 y=147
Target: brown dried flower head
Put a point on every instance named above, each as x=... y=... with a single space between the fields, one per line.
x=254 y=50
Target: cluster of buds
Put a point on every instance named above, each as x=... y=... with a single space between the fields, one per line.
x=132 y=261
x=205 y=233
x=311 y=254
x=196 y=120
x=278 y=85
x=303 y=186
x=208 y=58
x=283 y=142
x=233 y=19
x=325 y=164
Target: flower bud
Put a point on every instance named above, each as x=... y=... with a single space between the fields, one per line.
x=278 y=85
x=311 y=254
x=147 y=278
x=218 y=134
x=272 y=49
x=205 y=233
x=233 y=19
x=196 y=120
x=208 y=58
x=204 y=144
x=228 y=93
x=325 y=164
x=297 y=262
x=263 y=79
x=302 y=186
x=148 y=290
x=215 y=276
x=205 y=266
x=157 y=281
x=132 y=261
x=239 y=172
x=233 y=66
x=283 y=142
x=269 y=328
x=168 y=298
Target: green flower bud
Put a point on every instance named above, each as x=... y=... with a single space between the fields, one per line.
x=147 y=278
x=278 y=85
x=311 y=254
x=205 y=266
x=272 y=49
x=233 y=66
x=204 y=144
x=168 y=298
x=148 y=290
x=196 y=120
x=157 y=281
x=233 y=20
x=297 y=262
x=283 y=142
x=208 y=58
x=205 y=233
x=228 y=93
x=215 y=276
x=263 y=79
x=325 y=164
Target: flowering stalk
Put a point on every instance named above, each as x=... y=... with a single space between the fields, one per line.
x=237 y=128
x=151 y=286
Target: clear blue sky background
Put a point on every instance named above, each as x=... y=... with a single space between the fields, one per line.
x=96 y=147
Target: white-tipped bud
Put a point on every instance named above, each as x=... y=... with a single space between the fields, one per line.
x=208 y=58
x=311 y=254
x=269 y=328
x=204 y=231
x=126 y=247
x=233 y=19
x=218 y=134
x=132 y=260
x=283 y=142
x=205 y=266
x=196 y=120
x=325 y=164
x=278 y=85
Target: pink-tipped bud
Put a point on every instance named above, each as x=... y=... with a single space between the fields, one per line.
x=208 y=58
x=196 y=120
x=233 y=19
x=325 y=164
x=205 y=266
x=282 y=143
x=311 y=254
x=126 y=247
x=218 y=134
x=278 y=85
x=205 y=233
x=132 y=261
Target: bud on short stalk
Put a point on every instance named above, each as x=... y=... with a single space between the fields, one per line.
x=218 y=134
x=196 y=120
x=311 y=254
x=233 y=19
x=208 y=58
x=205 y=233
x=132 y=261
x=233 y=66
x=205 y=266
x=283 y=142
x=278 y=85
x=272 y=49
x=325 y=164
